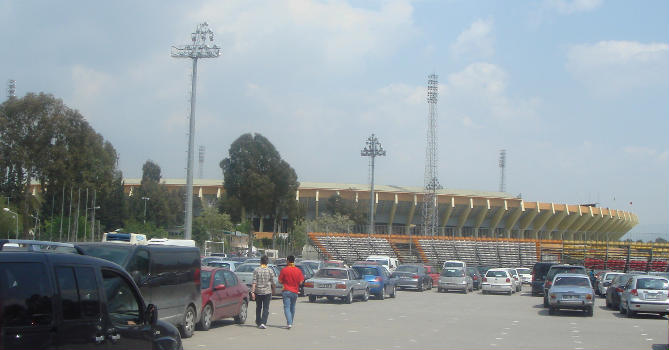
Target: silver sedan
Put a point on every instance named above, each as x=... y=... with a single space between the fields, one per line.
x=571 y=291
x=335 y=282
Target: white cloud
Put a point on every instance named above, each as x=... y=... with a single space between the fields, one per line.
x=573 y=6
x=477 y=40
x=89 y=83
x=641 y=152
x=614 y=66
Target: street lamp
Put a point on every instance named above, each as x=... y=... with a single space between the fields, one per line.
x=145 y=199
x=16 y=216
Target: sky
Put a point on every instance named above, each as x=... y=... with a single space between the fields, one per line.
x=576 y=91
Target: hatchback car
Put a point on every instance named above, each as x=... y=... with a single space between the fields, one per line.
x=336 y=282
x=525 y=275
x=245 y=274
x=571 y=291
x=378 y=278
x=412 y=276
x=222 y=296
x=517 y=282
x=498 y=281
x=539 y=271
x=645 y=293
x=453 y=278
x=615 y=289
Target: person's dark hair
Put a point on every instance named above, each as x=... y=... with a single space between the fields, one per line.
x=264 y=260
x=290 y=259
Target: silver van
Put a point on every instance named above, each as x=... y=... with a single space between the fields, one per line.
x=455 y=278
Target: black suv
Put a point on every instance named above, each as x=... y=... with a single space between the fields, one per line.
x=554 y=270
x=539 y=272
x=53 y=298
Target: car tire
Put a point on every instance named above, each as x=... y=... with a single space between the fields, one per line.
x=608 y=304
x=466 y=291
x=545 y=301
x=393 y=292
x=630 y=313
x=439 y=290
x=243 y=313
x=188 y=326
x=430 y=288
x=331 y=299
x=510 y=292
x=589 y=311
x=365 y=296
x=348 y=299
x=205 y=318
x=621 y=309
x=551 y=310
x=421 y=287
x=382 y=295
x=312 y=298
x=484 y=292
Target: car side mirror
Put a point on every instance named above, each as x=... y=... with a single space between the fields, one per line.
x=151 y=314
x=219 y=287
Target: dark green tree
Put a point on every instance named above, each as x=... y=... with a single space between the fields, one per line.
x=336 y=205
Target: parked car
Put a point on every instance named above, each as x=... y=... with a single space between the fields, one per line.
x=476 y=277
x=432 y=272
x=379 y=280
x=645 y=293
x=222 y=297
x=539 y=271
x=333 y=263
x=571 y=291
x=605 y=281
x=314 y=264
x=614 y=290
x=307 y=272
x=337 y=282
x=556 y=269
x=455 y=278
x=245 y=274
x=412 y=276
x=168 y=276
x=226 y=264
x=525 y=275
x=517 y=283
x=385 y=260
x=54 y=300
x=454 y=263
x=483 y=269
x=498 y=281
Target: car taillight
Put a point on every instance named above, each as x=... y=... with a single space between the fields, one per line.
x=341 y=286
x=484 y=279
x=508 y=280
x=197 y=276
x=548 y=284
x=552 y=296
x=414 y=277
x=533 y=278
x=378 y=279
x=475 y=278
x=309 y=284
x=634 y=292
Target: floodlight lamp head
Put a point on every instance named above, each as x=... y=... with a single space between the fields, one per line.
x=5 y=209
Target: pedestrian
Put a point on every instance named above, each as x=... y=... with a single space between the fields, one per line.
x=262 y=290
x=291 y=277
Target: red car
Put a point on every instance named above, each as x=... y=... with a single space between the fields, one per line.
x=222 y=296
x=430 y=270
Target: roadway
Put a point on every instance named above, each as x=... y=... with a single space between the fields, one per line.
x=432 y=320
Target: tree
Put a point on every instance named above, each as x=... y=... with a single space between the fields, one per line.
x=258 y=179
x=660 y=240
x=151 y=172
x=336 y=205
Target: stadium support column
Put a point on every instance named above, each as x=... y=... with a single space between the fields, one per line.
x=566 y=223
x=447 y=213
x=539 y=222
x=592 y=221
x=412 y=211
x=512 y=219
x=601 y=233
x=496 y=218
x=583 y=220
x=391 y=219
x=480 y=217
x=464 y=216
x=554 y=221
x=526 y=220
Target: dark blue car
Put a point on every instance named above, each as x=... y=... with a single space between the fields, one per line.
x=378 y=278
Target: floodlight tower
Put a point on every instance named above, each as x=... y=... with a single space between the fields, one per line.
x=502 y=165
x=431 y=181
x=201 y=161
x=199 y=48
x=11 y=89
x=372 y=150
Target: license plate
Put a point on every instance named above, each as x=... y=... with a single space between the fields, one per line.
x=569 y=297
x=325 y=286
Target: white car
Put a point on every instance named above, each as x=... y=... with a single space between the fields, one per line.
x=517 y=282
x=498 y=281
x=605 y=282
x=525 y=274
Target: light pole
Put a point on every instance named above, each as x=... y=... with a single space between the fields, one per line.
x=16 y=217
x=372 y=150
x=197 y=49
x=145 y=199
x=37 y=225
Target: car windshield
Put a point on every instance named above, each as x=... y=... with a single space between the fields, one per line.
x=652 y=284
x=523 y=271
x=332 y=264
x=365 y=270
x=496 y=273
x=246 y=267
x=572 y=281
x=610 y=276
x=331 y=273
x=219 y=264
x=378 y=261
x=313 y=265
x=407 y=268
x=453 y=273
x=453 y=264
x=116 y=254
x=565 y=269
x=205 y=278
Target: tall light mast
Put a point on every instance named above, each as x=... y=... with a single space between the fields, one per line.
x=431 y=181
x=198 y=48
x=502 y=166
x=372 y=150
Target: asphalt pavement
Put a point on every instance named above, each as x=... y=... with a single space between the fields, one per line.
x=431 y=320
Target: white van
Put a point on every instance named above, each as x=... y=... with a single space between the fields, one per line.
x=455 y=263
x=128 y=238
x=175 y=242
x=385 y=260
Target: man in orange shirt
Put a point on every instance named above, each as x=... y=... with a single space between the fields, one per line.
x=290 y=277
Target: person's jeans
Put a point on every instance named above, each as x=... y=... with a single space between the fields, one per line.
x=262 y=308
x=289 y=300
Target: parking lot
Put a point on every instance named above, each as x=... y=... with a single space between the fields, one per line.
x=431 y=320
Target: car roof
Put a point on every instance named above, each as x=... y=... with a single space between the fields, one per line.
x=571 y=275
x=650 y=276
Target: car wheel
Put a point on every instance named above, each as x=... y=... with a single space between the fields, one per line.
x=484 y=292
x=608 y=304
x=545 y=301
x=630 y=312
x=421 y=287
x=188 y=326
x=551 y=310
x=589 y=311
x=382 y=295
x=430 y=288
x=466 y=291
x=205 y=319
x=312 y=298
x=243 y=312
x=349 y=298
x=393 y=292
x=439 y=290
x=621 y=309
x=510 y=292
x=365 y=296
x=331 y=299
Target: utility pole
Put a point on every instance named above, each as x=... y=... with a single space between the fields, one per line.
x=502 y=166
x=372 y=150
x=145 y=199
x=197 y=49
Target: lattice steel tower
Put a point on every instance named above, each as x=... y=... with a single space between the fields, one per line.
x=198 y=48
x=372 y=150
x=430 y=208
x=502 y=165
x=11 y=89
x=201 y=162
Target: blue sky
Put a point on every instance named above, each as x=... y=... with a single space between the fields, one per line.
x=575 y=91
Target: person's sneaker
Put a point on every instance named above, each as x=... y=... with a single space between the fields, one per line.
x=262 y=326
x=289 y=326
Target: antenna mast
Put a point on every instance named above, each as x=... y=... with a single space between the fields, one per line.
x=430 y=209
x=502 y=165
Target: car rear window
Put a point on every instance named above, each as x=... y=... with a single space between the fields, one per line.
x=116 y=254
x=331 y=273
x=572 y=281
x=247 y=267
x=407 y=268
x=496 y=274
x=652 y=284
x=453 y=273
x=523 y=271
x=564 y=269
x=364 y=270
